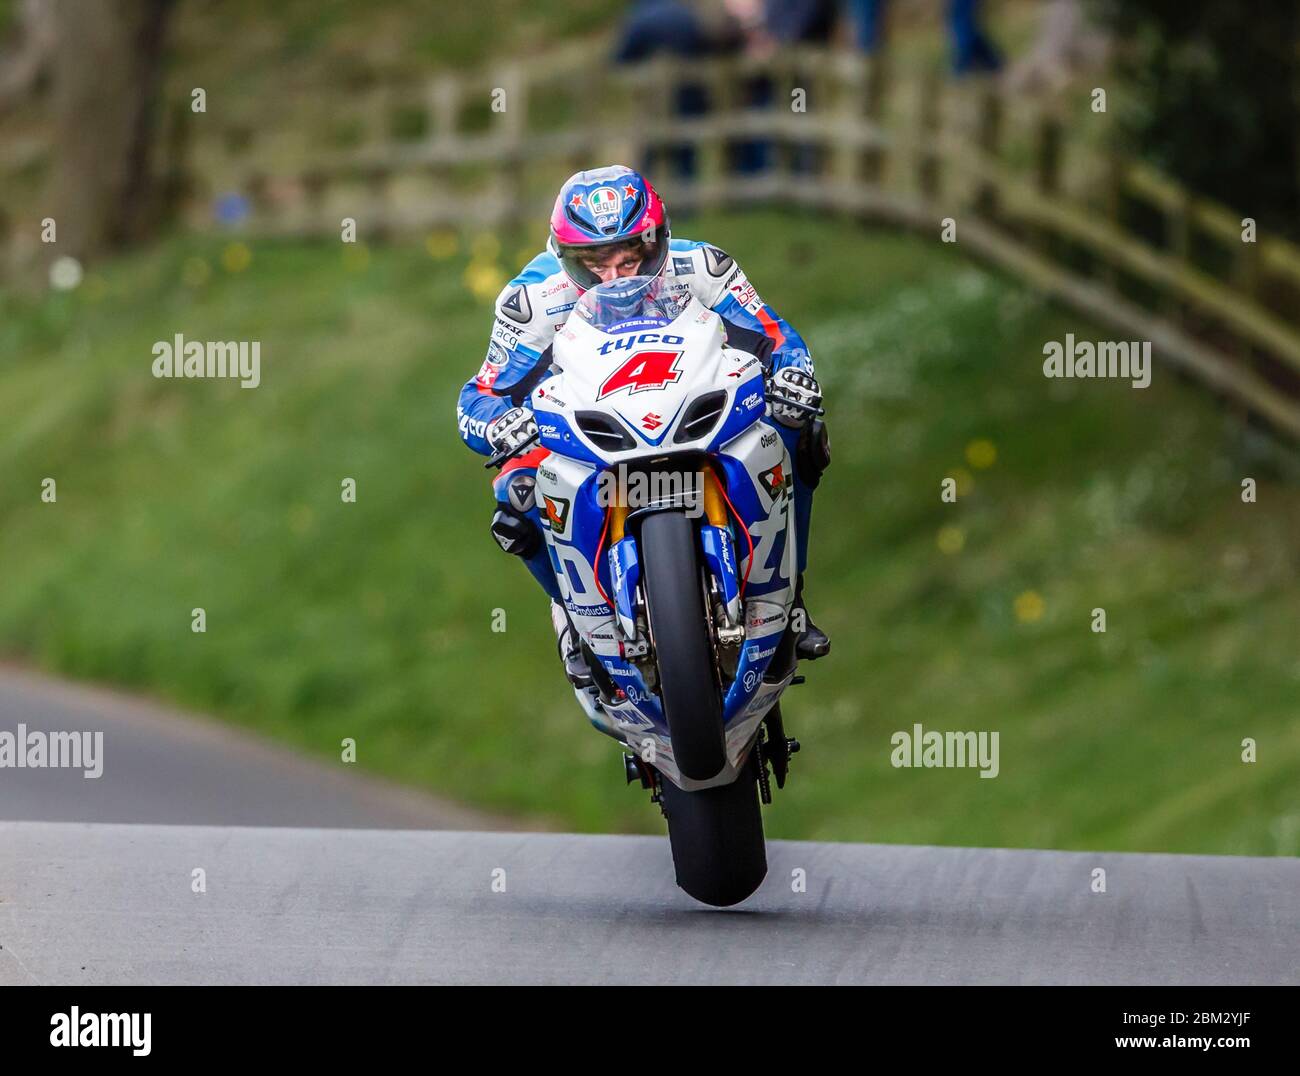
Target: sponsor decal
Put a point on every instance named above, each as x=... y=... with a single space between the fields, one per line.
x=517 y=307
x=651 y=421
x=756 y=621
x=547 y=474
x=559 y=309
x=547 y=429
x=555 y=289
x=768 y=439
x=496 y=360
x=586 y=610
x=752 y=401
x=470 y=427
x=683 y=267
x=751 y=680
x=521 y=492
x=508 y=334
x=644 y=370
x=746 y=296
x=774 y=481
x=717 y=262
x=557 y=513
x=604 y=200
x=740 y=370
x=725 y=545
x=644 y=338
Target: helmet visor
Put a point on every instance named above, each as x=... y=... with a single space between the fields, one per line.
x=590 y=264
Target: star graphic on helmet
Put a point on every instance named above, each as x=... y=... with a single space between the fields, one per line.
x=629 y=191
x=576 y=200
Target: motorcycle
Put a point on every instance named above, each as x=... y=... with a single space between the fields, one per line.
x=667 y=505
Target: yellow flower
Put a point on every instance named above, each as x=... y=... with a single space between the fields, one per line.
x=1029 y=607
x=981 y=453
x=951 y=540
x=442 y=244
x=963 y=480
x=484 y=280
x=236 y=258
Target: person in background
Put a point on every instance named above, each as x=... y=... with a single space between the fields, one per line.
x=668 y=27
x=972 y=50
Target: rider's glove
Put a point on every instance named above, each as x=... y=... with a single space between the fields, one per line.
x=797 y=387
x=508 y=432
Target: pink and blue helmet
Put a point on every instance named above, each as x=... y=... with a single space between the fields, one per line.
x=608 y=208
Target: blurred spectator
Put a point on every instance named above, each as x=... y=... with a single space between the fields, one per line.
x=763 y=27
x=668 y=28
x=1066 y=43
x=971 y=48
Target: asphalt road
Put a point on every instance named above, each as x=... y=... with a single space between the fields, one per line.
x=163 y=765
x=292 y=895
x=115 y=904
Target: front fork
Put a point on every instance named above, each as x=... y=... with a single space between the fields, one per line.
x=724 y=607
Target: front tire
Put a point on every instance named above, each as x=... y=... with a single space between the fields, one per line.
x=679 y=628
x=717 y=839
x=716 y=833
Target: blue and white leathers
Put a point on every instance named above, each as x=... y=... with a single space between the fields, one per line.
x=645 y=379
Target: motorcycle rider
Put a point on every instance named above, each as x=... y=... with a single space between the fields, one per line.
x=609 y=223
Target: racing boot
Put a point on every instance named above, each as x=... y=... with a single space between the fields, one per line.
x=813 y=642
x=575 y=665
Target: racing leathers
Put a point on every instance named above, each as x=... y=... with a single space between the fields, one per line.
x=536 y=304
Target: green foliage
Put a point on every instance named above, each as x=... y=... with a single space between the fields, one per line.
x=374 y=619
x=1211 y=98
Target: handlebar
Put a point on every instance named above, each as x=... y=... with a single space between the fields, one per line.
x=785 y=401
x=503 y=457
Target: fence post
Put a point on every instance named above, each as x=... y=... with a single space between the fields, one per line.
x=877 y=81
x=850 y=100
x=1047 y=172
x=929 y=89
x=988 y=138
x=512 y=83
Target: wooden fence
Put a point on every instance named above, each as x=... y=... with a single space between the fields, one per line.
x=1029 y=182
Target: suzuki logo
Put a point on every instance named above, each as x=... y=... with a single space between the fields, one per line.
x=652 y=422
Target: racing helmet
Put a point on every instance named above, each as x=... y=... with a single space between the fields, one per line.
x=601 y=210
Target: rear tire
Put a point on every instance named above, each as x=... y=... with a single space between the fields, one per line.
x=717 y=839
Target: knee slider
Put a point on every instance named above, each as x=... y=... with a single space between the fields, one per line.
x=515 y=532
x=813 y=453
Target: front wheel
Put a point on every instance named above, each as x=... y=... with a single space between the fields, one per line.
x=717 y=838
x=716 y=833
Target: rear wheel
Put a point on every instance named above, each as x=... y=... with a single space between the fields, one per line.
x=716 y=833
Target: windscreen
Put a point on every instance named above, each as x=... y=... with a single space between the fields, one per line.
x=630 y=303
